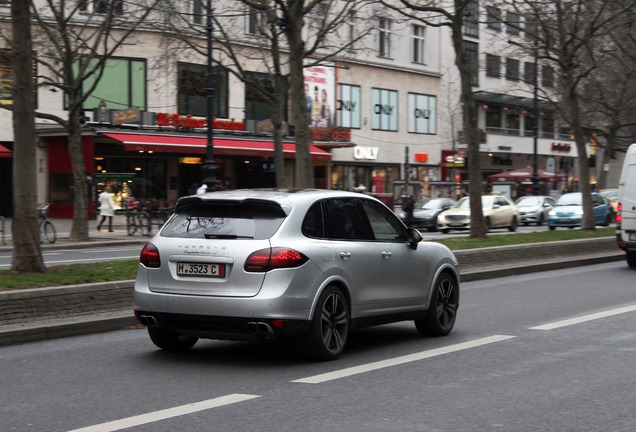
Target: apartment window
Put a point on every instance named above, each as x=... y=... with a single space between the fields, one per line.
x=493 y=18
x=122 y=85
x=493 y=66
x=528 y=72
x=471 y=19
x=417 y=43
x=513 y=23
x=384 y=109
x=472 y=51
x=191 y=93
x=493 y=118
x=348 y=106
x=384 y=38
x=253 y=21
x=512 y=69
x=198 y=12
x=547 y=73
x=102 y=7
x=351 y=30
x=422 y=113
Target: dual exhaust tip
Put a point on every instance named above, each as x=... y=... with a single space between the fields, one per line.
x=260 y=328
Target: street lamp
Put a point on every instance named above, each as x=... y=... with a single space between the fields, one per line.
x=535 y=171
x=209 y=168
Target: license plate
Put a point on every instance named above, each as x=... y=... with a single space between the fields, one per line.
x=631 y=237
x=200 y=269
x=564 y=221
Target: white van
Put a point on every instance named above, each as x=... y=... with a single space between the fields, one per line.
x=626 y=215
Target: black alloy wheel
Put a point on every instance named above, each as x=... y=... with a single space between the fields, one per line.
x=440 y=318
x=329 y=330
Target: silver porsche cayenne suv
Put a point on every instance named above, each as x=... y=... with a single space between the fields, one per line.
x=305 y=264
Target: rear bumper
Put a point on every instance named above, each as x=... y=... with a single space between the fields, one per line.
x=625 y=245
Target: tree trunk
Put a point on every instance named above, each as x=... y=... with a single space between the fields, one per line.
x=79 y=229
x=304 y=175
x=477 y=224
x=27 y=255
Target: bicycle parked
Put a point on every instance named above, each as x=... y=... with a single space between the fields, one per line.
x=45 y=226
x=138 y=218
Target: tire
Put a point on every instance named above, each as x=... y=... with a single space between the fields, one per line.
x=445 y=231
x=170 y=341
x=487 y=225
x=329 y=329
x=131 y=224
x=440 y=318
x=50 y=234
x=143 y=223
x=552 y=228
x=540 y=221
x=513 y=224
x=630 y=256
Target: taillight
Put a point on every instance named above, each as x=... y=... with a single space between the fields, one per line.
x=268 y=259
x=619 y=215
x=150 y=256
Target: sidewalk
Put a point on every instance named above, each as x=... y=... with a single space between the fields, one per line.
x=63 y=229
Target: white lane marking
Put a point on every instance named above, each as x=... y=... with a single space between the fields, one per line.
x=317 y=379
x=167 y=413
x=582 y=319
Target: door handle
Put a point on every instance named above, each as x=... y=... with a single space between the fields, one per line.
x=345 y=255
x=386 y=255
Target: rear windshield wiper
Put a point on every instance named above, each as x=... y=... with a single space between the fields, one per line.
x=225 y=236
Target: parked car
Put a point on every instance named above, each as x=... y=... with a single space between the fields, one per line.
x=425 y=212
x=305 y=264
x=499 y=212
x=568 y=211
x=626 y=216
x=534 y=209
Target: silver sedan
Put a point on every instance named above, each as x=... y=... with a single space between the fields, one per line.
x=305 y=264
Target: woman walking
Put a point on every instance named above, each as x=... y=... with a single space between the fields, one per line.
x=106 y=208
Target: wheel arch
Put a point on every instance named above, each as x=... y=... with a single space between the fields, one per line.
x=339 y=283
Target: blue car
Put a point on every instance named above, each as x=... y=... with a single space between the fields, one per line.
x=568 y=211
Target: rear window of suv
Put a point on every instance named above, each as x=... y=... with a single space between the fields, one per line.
x=226 y=221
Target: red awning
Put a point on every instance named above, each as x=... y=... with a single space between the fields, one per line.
x=525 y=174
x=222 y=146
x=5 y=152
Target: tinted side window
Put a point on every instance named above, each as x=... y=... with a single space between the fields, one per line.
x=344 y=221
x=384 y=224
x=313 y=225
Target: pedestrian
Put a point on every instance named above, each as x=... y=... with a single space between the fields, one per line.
x=106 y=209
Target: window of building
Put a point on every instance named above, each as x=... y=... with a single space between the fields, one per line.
x=547 y=125
x=417 y=43
x=493 y=118
x=471 y=19
x=528 y=72
x=348 y=106
x=493 y=18
x=198 y=12
x=512 y=69
x=256 y=106
x=102 y=7
x=191 y=93
x=122 y=85
x=384 y=38
x=253 y=21
x=547 y=75
x=513 y=23
x=493 y=66
x=472 y=51
x=422 y=113
x=385 y=109
x=351 y=29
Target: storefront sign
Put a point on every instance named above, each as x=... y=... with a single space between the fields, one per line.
x=189 y=122
x=561 y=148
x=130 y=115
x=331 y=134
x=369 y=153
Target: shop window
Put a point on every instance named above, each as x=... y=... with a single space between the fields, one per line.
x=348 y=106
x=422 y=113
x=191 y=85
x=385 y=109
x=122 y=85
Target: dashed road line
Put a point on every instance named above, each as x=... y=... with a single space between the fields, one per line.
x=166 y=414
x=343 y=373
x=585 y=318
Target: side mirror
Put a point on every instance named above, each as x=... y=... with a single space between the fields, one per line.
x=496 y=206
x=414 y=237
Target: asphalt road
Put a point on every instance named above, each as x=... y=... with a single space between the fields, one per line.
x=550 y=351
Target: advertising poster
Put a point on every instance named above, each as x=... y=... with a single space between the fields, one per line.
x=320 y=94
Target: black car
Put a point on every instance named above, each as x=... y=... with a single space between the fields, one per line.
x=425 y=212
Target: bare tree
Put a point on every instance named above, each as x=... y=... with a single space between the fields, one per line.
x=453 y=15
x=279 y=48
x=27 y=256
x=572 y=36
x=74 y=43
